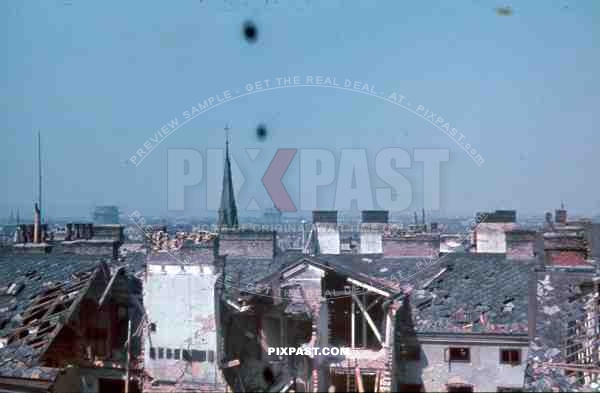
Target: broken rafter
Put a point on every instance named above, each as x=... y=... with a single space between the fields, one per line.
x=373 y=303
x=109 y=287
x=368 y=287
x=368 y=318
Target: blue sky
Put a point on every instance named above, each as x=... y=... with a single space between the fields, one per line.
x=101 y=78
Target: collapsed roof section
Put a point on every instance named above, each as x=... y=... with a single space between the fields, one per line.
x=563 y=354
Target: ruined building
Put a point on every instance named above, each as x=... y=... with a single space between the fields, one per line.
x=64 y=325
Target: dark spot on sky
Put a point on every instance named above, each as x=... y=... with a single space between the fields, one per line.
x=261 y=132
x=250 y=31
x=504 y=11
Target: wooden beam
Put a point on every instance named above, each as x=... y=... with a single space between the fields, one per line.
x=368 y=318
x=584 y=368
x=388 y=328
x=373 y=303
x=368 y=287
x=359 y=381
x=364 y=325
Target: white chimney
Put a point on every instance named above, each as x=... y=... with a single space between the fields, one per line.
x=327 y=231
x=371 y=231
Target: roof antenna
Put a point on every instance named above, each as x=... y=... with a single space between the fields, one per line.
x=227 y=136
x=40 y=174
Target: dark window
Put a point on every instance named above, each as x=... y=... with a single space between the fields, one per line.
x=177 y=354
x=169 y=353
x=410 y=353
x=152 y=353
x=459 y=355
x=186 y=355
x=459 y=388
x=152 y=327
x=161 y=353
x=211 y=356
x=510 y=356
x=198 y=356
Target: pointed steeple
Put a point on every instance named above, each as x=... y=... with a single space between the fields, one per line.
x=228 y=218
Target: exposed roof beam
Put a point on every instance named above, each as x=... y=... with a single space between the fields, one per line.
x=368 y=287
x=368 y=318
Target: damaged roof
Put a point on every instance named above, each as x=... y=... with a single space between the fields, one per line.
x=473 y=293
x=561 y=300
x=40 y=319
x=245 y=272
x=31 y=274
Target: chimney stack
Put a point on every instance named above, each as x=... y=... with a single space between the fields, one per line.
x=566 y=248
x=520 y=244
x=327 y=231
x=37 y=228
x=371 y=231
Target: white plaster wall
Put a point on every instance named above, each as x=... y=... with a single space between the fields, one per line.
x=491 y=237
x=484 y=371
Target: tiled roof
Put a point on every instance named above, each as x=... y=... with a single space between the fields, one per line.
x=387 y=273
x=248 y=270
x=473 y=293
x=42 y=312
x=36 y=273
x=15 y=362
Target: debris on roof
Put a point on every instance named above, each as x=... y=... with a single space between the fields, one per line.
x=565 y=324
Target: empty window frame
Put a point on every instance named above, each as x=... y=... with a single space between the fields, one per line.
x=410 y=352
x=177 y=354
x=510 y=356
x=161 y=353
x=152 y=353
x=169 y=353
x=198 y=356
x=459 y=354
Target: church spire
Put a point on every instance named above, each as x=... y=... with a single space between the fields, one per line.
x=228 y=218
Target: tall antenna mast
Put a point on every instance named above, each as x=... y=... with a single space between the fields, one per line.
x=227 y=128
x=40 y=173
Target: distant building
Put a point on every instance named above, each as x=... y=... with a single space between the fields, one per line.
x=272 y=217
x=106 y=215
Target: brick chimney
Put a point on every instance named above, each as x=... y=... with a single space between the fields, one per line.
x=520 y=244
x=417 y=245
x=566 y=248
x=371 y=231
x=246 y=243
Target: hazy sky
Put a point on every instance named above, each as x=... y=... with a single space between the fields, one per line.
x=101 y=78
